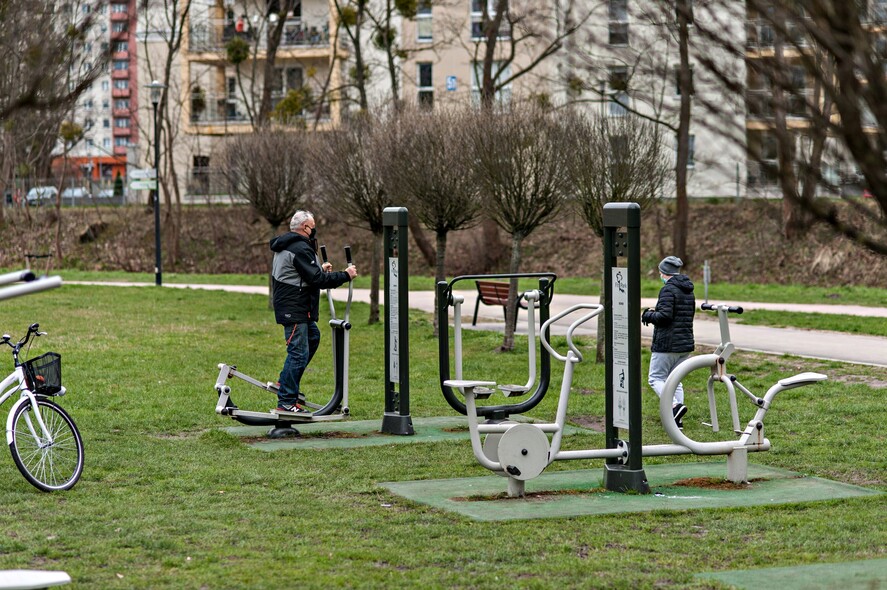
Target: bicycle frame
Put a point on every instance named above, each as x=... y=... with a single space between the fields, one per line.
x=16 y=382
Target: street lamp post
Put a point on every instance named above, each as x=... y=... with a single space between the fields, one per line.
x=156 y=89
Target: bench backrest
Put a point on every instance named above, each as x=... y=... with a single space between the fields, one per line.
x=492 y=293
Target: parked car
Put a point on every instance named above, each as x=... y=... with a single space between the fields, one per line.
x=73 y=194
x=106 y=193
x=41 y=194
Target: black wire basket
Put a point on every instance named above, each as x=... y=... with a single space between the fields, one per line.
x=43 y=374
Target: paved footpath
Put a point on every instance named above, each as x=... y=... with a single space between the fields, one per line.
x=868 y=350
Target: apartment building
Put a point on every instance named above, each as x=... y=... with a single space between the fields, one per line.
x=108 y=111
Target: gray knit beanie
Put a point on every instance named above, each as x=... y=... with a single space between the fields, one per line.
x=671 y=265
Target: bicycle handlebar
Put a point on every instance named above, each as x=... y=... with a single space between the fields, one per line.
x=716 y=307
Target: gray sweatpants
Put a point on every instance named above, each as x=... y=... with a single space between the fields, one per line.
x=661 y=365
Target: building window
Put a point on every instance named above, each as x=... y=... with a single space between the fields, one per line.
x=691 y=150
x=423 y=21
x=105 y=104
x=121 y=64
x=118 y=27
x=120 y=46
x=618 y=25
x=121 y=122
x=232 y=87
x=200 y=174
x=106 y=123
x=121 y=103
x=121 y=84
x=426 y=85
x=499 y=74
x=477 y=19
x=121 y=142
x=105 y=85
x=106 y=143
x=118 y=8
x=677 y=81
x=617 y=90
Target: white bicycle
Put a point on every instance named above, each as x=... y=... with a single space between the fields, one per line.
x=43 y=439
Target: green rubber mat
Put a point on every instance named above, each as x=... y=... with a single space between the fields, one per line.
x=559 y=494
x=869 y=574
x=362 y=433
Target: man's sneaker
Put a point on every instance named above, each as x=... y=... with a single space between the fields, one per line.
x=290 y=409
x=678 y=410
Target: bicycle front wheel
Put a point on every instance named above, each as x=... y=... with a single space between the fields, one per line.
x=50 y=460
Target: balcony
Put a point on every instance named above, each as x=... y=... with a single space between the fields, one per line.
x=122 y=131
x=120 y=92
x=760 y=104
x=120 y=75
x=220 y=109
x=120 y=55
x=119 y=16
x=120 y=150
x=120 y=112
x=213 y=36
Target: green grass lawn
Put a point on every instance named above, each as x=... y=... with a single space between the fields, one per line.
x=170 y=500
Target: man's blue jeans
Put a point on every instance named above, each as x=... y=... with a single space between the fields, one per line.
x=302 y=341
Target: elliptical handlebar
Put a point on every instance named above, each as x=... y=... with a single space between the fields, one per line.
x=721 y=306
x=598 y=308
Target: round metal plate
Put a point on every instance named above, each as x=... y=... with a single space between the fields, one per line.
x=523 y=451
x=491 y=446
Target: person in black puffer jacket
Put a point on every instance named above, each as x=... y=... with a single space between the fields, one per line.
x=673 y=330
x=296 y=280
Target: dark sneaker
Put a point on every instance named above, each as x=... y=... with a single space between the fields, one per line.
x=678 y=411
x=290 y=409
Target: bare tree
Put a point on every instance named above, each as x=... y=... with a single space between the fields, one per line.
x=518 y=158
x=47 y=64
x=516 y=37
x=613 y=159
x=269 y=168
x=838 y=50
x=424 y=165
x=346 y=169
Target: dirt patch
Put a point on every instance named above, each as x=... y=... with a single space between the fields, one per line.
x=872 y=382
x=530 y=496
x=455 y=429
x=333 y=434
x=714 y=483
x=596 y=423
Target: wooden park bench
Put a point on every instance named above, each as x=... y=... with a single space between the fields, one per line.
x=493 y=293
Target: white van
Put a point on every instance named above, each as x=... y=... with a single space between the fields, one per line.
x=74 y=194
x=41 y=194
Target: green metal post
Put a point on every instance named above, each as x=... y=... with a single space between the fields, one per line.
x=622 y=302
x=396 y=419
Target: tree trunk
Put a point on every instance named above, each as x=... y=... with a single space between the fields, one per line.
x=511 y=306
x=440 y=271
x=600 y=349
x=421 y=241
x=682 y=208
x=375 y=271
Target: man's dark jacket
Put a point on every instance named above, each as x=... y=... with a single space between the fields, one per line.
x=296 y=279
x=673 y=316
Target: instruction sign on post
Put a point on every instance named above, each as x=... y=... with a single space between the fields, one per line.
x=394 y=324
x=620 y=358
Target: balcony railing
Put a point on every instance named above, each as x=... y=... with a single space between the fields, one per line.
x=214 y=36
x=762 y=35
x=215 y=109
x=760 y=104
